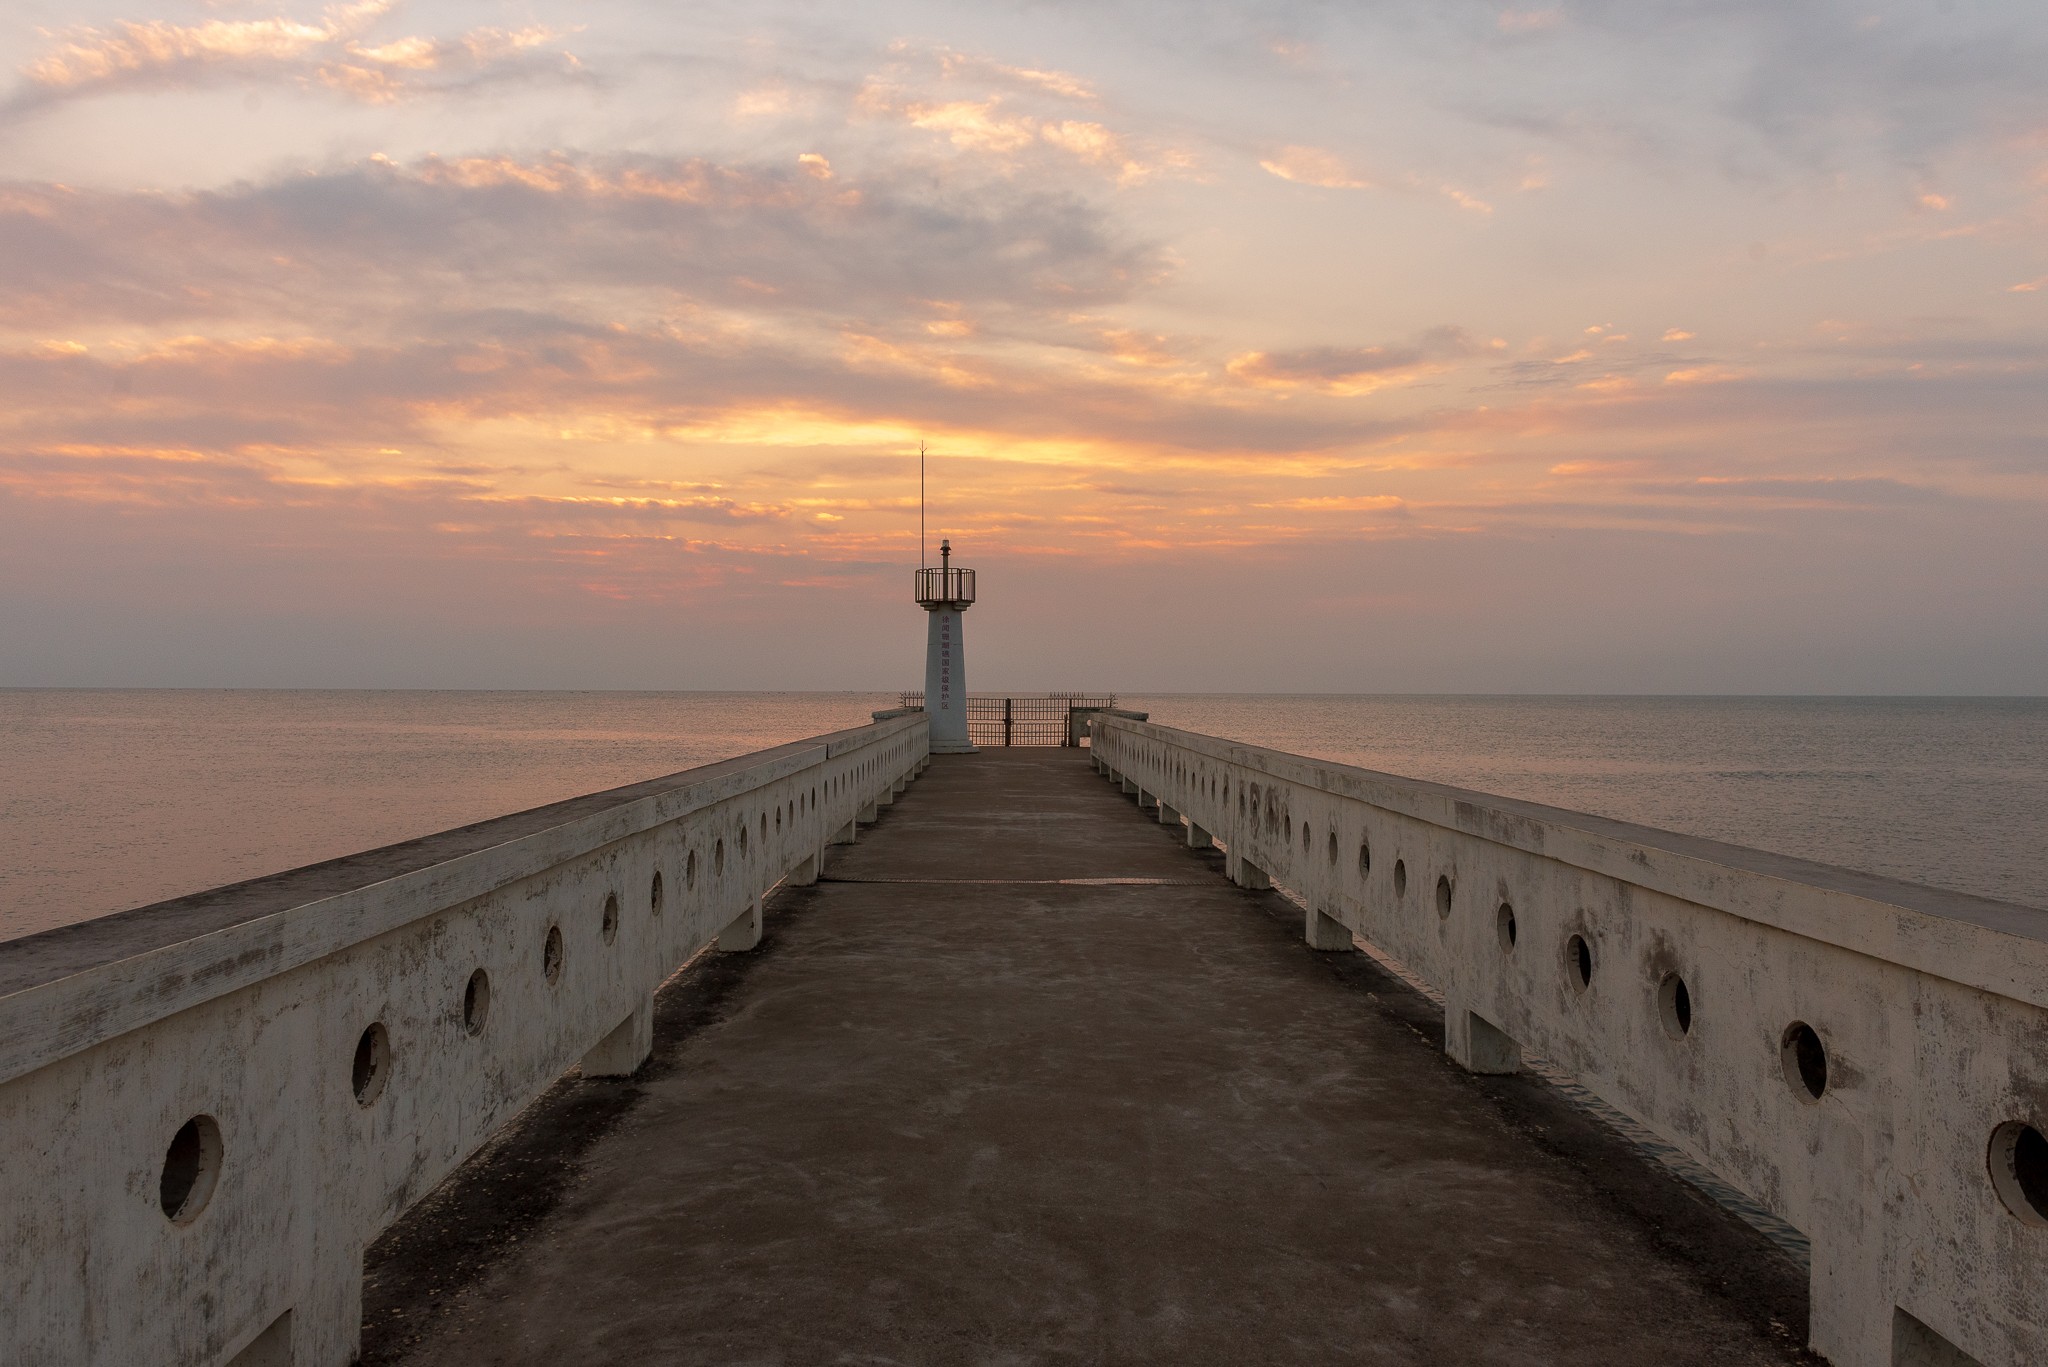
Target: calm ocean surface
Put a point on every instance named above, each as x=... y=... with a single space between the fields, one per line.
x=115 y=798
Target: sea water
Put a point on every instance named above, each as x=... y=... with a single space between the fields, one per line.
x=116 y=798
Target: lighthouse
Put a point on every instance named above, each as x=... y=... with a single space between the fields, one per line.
x=945 y=593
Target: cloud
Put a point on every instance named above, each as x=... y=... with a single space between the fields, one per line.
x=565 y=304
x=1011 y=117
x=1465 y=201
x=1339 y=369
x=456 y=233
x=1350 y=370
x=1763 y=88
x=571 y=324
x=1149 y=350
x=1328 y=171
x=1705 y=374
x=1864 y=491
x=1313 y=166
x=990 y=128
x=1924 y=83
x=334 y=53
x=1341 y=503
x=87 y=57
x=1060 y=83
x=761 y=101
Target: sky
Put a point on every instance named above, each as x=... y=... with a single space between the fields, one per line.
x=1604 y=346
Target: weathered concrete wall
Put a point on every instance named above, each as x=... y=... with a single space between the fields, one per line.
x=311 y=1053
x=1867 y=1059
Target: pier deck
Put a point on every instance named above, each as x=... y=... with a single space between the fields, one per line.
x=963 y=1105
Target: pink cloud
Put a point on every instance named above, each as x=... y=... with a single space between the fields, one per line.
x=334 y=53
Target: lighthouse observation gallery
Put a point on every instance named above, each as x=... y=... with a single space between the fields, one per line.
x=944 y=593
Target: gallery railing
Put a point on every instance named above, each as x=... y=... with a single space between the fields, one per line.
x=1046 y=719
x=1863 y=1058
x=211 y=1106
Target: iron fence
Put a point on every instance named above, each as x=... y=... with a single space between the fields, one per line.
x=1047 y=719
x=945 y=585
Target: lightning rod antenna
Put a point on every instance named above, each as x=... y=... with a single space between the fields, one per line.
x=923 y=558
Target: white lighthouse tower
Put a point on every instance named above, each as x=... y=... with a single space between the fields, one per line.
x=945 y=593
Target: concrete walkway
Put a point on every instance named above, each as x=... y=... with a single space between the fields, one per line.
x=955 y=1110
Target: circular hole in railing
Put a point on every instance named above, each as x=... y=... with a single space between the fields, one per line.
x=718 y=857
x=778 y=818
x=1443 y=896
x=743 y=839
x=1504 y=926
x=1333 y=849
x=1805 y=1060
x=191 y=1170
x=690 y=869
x=1306 y=838
x=1674 y=1006
x=608 y=928
x=372 y=1064
x=764 y=826
x=1364 y=856
x=1400 y=878
x=476 y=1002
x=2019 y=1170
x=551 y=953
x=656 y=894
x=1578 y=963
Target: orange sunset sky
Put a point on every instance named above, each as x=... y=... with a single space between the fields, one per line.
x=1611 y=346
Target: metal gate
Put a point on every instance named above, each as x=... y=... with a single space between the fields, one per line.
x=1046 y=719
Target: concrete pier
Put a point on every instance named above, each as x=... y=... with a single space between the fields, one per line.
x=1025 y=1078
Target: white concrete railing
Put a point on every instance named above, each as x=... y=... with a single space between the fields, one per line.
x=210 y=1107
x=1866 y=1059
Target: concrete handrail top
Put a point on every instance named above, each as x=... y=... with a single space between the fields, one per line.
x=171 y=955
x=1995 y=946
